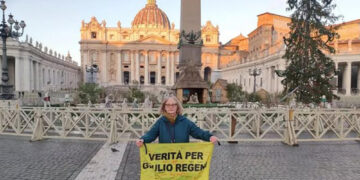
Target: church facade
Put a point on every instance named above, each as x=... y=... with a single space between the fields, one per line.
x=146 y=53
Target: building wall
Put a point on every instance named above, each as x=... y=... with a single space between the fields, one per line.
x=268 y=56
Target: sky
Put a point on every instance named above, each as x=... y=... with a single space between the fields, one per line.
x=56 y=23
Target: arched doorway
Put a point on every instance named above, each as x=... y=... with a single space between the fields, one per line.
x=207 y=74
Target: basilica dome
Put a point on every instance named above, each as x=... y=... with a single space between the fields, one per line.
x=151 y=17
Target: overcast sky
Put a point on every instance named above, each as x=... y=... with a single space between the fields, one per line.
x=56 y=23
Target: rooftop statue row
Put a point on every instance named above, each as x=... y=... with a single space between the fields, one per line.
x=48 y=51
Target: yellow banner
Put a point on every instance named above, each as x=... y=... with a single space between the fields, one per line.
x=176 y=161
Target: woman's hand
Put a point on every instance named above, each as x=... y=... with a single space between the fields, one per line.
x=139 y=142
x=213 y=139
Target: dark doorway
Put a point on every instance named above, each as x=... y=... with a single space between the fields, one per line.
x=152 y=77
x=126 y=77
x=207 y=74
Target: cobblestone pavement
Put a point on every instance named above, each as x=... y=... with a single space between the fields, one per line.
x=270 y=160
x=64 y=159
x=47 y=159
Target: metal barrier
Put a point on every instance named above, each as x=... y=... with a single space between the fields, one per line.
x=114 y=124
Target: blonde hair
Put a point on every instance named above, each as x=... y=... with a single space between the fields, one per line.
x=179 y=109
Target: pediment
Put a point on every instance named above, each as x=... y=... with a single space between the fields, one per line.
x=153 y=40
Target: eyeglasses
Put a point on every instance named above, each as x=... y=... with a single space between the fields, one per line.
x=171 y=105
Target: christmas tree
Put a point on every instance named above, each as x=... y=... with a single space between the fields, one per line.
x=310 y=69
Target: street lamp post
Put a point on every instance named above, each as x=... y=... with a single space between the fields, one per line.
x=92 y=69
x=10 y=29
x=255 y=72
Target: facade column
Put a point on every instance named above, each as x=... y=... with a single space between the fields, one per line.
x=146 y=76
x=119 y=71
x=137 y=66
x=172 y=68
x=158 y=79
x=132 y=67
x=347 y=79
x=105 y=63
x=18 y=73
x=167 y=82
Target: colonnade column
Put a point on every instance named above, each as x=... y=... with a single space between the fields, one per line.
x=37 y=76
x=146 y=75
x=31 y=74
x=17 y=73
x=27 y=77
x=168 y=69
x=347 y=79
x=267 y=79
x=119 y=71
x=158 y=79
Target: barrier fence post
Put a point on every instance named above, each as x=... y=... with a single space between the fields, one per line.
x=290 y=136
x=113 y=132
x=39 y=127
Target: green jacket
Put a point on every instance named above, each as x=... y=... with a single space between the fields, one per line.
x=177 y=133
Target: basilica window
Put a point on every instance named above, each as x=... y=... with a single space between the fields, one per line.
x=111 y=37
x=93 y=35
x=141 y=79
x=208 y=60
x=125 y=56
x=141 y=36
x=163 y=59
x=208 y=39
x=163 y=80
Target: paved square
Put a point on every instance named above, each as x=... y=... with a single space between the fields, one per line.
x=65 y=159
x=47 y=159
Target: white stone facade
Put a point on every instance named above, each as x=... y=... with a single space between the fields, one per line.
x=33 y=67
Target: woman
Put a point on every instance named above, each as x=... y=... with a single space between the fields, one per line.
x=172 y=127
